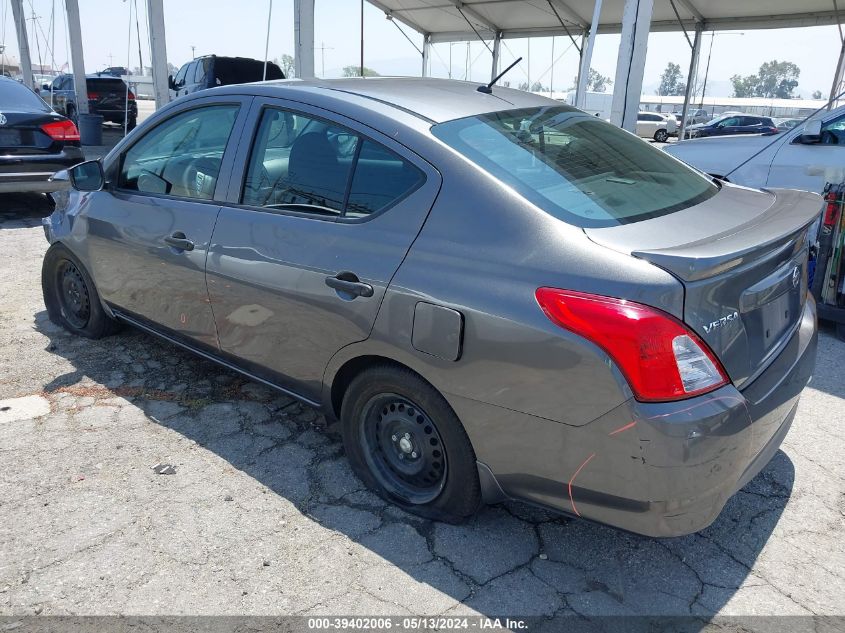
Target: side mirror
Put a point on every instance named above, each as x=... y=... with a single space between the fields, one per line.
x=87 y=176
x=812 y=132
x=170 y=82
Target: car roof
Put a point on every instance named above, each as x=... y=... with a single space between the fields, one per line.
x=435 y=100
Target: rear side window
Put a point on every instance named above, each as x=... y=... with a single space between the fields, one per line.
x=180 y=157
x=15 y=96
x=308 y=165
x=381 y=178
x=579 y=169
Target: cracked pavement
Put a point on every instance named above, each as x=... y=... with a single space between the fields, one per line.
x=264 y=516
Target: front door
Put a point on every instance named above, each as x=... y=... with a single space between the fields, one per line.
x=149 y=230
x=808 y=166
x=317 y=225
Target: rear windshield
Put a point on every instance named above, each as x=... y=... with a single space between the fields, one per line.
x=105 y=85
x=581 y=170
x=15 y=96
x=241 y=71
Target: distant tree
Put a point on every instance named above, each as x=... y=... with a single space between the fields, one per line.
x=286 y=63
x=538 y=87
x=355 y=71
x=774 y=80
x=596 y=82
x=817 y=94
x=171 y=69
x=524 y=86
x=670 y=81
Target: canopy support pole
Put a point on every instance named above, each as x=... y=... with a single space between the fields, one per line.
x=426 y=54
x=497 y=49
x=836 y=88
x=23 y=41
x=587 y=58
x=76 y=56
x=303 y=31
x=692 y=77
x=630 y=65
x=158 y=52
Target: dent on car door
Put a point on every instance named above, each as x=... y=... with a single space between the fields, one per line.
x=318 y=225
x=149 y=230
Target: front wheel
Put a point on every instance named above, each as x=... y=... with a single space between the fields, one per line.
x=71 y=299
x=661 y=136
x=404 y=442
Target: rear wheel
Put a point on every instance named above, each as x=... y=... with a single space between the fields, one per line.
x=71 y=114
x=404 y=441
x=661 y=136
x=840 y=331
x=70 y=296
x=131 y=124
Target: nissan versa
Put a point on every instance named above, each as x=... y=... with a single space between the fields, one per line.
x=495 y=295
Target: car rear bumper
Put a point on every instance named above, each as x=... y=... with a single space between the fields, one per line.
x=659 y=469
x=32 y=173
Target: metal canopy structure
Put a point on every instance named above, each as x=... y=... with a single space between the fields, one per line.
x=448 y=20
x=459 y=20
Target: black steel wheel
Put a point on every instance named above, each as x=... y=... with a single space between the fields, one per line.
x=405 y=443
x=73 y=295
x=71 y=299
x=403 y=448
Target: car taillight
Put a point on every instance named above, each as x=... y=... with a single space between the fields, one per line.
x=131 y=96
x=93 y=95
x=661 y=358
x=61 y=130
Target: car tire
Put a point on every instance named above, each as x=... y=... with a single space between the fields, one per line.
x=840 y=331
x=70 y=296
x=71 y=114
x=661 y=136
x=405 y=442
x=131 y=124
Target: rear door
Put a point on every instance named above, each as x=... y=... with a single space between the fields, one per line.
x=149 y=230
x=317 y=222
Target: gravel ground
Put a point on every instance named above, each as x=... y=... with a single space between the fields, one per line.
x=263 y=516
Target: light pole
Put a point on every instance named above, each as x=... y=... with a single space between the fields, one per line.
x=193 y=48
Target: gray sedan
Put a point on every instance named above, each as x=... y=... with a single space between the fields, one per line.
x=494 y=295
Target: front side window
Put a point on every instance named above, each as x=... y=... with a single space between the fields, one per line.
x=833 y=132
x=182 y=156
x=579 y=169
x=304 y=164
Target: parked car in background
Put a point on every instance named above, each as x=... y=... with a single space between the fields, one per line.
x=787 y=124
x=725 y=125
x=35 y=141
x=698 y=115
x=212 y=70
x=804 y=157
x=586 y=343
x=115 y=71
x=107 y=96
x=656 y=126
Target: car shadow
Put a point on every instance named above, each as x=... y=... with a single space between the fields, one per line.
x=509 y=560
x=23 y=210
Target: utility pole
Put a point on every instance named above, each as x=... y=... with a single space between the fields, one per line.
x=362 y=38
x=323 y=48
x=193 y=48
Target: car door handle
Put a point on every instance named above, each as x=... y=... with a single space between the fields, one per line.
x=350 y=284
x=179 y=241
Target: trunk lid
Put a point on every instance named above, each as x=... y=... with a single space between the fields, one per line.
x=22 y=133
x=742 y=258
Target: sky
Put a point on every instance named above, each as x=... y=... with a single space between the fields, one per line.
x=213 y=26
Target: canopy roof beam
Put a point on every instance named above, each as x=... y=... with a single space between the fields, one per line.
x=468 y=12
